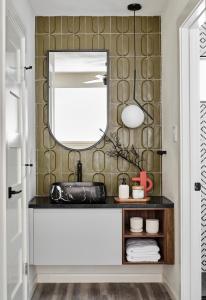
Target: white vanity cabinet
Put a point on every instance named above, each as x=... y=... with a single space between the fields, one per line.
x=75 y=236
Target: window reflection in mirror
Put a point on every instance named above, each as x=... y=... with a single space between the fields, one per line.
x=77 y=97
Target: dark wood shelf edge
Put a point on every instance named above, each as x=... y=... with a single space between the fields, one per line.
x=160 y=262
x=128 y=234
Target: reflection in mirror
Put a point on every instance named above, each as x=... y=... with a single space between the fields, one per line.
x=78 y=97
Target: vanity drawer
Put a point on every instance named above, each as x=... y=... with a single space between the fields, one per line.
x=76 y=237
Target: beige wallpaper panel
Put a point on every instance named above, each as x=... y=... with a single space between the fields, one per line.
x=54 y=163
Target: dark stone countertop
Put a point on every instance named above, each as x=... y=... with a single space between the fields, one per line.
x=155 y=202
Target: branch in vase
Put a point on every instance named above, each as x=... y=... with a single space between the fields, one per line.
x=131 y=156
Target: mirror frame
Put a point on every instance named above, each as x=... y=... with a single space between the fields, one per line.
x=108 y=94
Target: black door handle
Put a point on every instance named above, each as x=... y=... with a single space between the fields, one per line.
x=197 y=186
x=28 y=165
x=12 y=192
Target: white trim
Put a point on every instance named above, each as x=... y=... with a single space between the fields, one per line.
x=3 y=194
x=195 y=224
x=171 y=291
x=13 y=16
x=94 y=278
x=32 y=286
x=31 y=235
x=191 y=13
x=184 y=181
x=189 y=169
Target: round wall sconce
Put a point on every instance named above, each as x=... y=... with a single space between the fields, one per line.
x=132 y=116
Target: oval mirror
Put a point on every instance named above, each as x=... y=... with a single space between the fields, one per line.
x=78 y=97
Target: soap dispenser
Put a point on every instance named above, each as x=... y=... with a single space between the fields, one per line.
x=123 y=190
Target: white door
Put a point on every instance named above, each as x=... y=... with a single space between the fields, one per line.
x=190 y=155
x=15 y=53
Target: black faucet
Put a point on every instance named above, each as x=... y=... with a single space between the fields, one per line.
x=79 y=171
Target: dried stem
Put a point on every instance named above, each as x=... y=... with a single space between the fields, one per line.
x=130 y=155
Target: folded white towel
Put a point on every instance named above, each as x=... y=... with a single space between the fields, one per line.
x=137 y=250
x=141 y=242
x=135 y=246
x=154 y=258
x=139 y=255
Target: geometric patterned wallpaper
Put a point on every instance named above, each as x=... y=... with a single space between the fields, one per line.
x=203 y=156
x=203 y=181
x=55 y=163
x=203 y=39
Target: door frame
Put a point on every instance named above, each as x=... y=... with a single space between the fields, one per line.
x=189 y=141
x=3 y=192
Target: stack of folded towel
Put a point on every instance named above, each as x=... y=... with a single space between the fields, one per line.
x=142 y=250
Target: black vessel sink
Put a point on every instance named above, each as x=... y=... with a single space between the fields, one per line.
x=78 y=192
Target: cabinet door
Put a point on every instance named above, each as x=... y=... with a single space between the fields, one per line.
x=77 y=237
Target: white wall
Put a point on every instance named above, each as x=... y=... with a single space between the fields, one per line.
x=26 y=15
x=170 y=117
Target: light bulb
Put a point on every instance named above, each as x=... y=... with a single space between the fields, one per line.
x=132 y=116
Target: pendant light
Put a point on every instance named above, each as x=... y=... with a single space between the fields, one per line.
x=133 y=115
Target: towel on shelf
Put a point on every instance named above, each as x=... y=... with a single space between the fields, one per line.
x=154 y=258
x=141 y=242
x=142 y=255
x=144 y=246
x=142 y=250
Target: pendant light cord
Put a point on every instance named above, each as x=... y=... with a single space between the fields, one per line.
x=135 y=73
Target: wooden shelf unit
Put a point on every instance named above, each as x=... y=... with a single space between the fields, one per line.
x=164 y=238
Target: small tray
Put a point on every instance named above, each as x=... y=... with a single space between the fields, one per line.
x=131 y=200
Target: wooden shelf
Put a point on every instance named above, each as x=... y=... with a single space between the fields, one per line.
x=143 y=234
x=164 y=238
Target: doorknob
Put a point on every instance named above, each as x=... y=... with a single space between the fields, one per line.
x=12 y=192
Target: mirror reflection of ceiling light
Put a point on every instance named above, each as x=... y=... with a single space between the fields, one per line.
x=100 y=78
x=80 y=62
x=133 y=115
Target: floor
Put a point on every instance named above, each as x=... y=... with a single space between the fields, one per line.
x=101 y=291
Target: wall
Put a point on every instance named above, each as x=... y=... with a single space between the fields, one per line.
x=170 y=117
x=54 y=163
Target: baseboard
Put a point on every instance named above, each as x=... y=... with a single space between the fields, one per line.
x=32 y=287
x=89 y=278
x=171 y=292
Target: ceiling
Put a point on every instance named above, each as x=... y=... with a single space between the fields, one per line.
x=95 y=7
